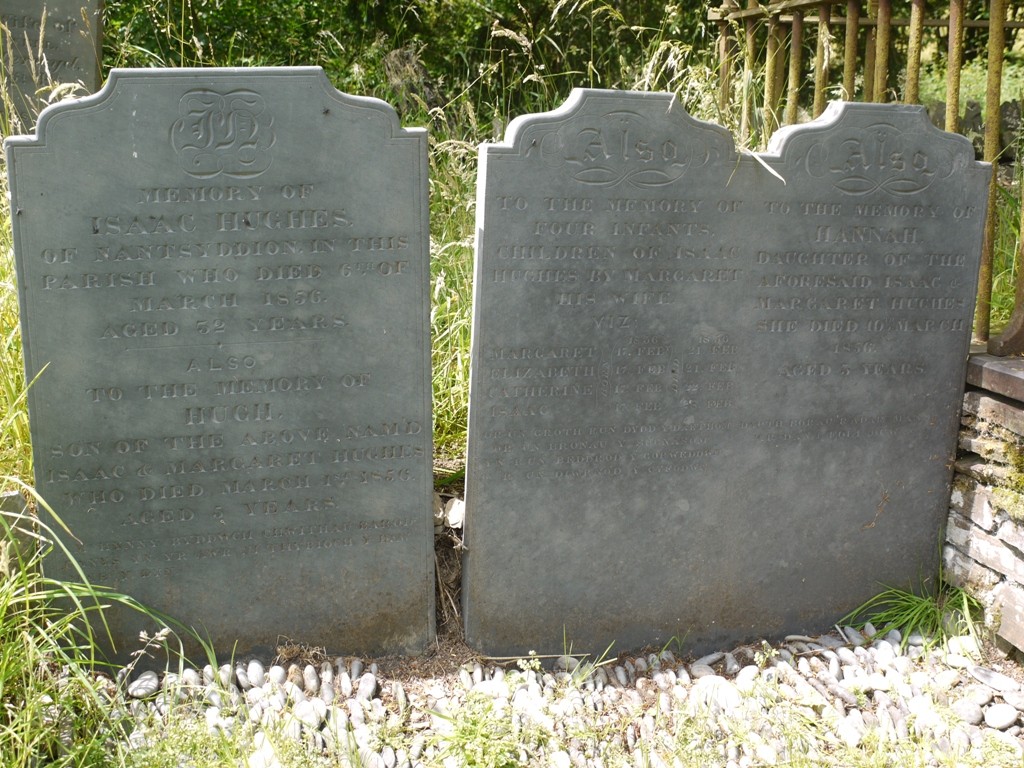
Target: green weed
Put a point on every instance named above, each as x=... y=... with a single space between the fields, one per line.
x=479 y=735
x=937 y=614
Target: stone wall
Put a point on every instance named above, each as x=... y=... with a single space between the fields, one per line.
x=984 y=549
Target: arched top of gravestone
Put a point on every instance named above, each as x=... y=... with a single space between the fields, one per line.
x=603 y=138
x=862 y=149
x=251 y=104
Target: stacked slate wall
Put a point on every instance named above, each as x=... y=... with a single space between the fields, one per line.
x=984 y=549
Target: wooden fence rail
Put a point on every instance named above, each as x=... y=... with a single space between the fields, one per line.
x=866 y=60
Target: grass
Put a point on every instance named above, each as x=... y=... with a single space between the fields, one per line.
x=15 y=445
x=453 y=211
x=1005 y=253
x=946 y=612
x=54 y=706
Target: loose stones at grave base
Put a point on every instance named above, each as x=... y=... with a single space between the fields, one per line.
x=714 y=396
x=227 y=298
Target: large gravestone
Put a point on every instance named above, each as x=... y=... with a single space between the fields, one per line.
x=223 y=277
x=48 y=44
x=714 y=395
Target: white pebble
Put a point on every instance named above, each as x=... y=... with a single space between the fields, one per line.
x=257 y=673
x=144 y=686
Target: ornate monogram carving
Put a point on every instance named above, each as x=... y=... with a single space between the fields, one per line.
x=227 y=134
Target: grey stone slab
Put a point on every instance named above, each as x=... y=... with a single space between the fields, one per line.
x=1002 y=375
x=715 y=396
x=1011 y=614
x=48 y=44
x=1001 y=411
x=225 y=300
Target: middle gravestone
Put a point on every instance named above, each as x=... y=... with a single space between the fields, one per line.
x=224 y=293
x=714 y=396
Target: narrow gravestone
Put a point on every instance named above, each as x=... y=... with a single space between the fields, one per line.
x=715 y=396
x=47 y=44
x=224 y=287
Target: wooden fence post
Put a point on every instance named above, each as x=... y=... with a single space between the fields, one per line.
x=954 y=61
x=796 y=63
x=912 y=93
x=996 y=43
x=746 y=89
x=725 y=58
x=850 y=48
x=882 y=50
x=869 y=52
x=821 y=57
x=771 y=79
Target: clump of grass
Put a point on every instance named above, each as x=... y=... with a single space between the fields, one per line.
x=937 y=615
x=1005 y=251
x=54 y=707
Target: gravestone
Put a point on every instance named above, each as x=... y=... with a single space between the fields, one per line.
x=47 y=44
x=715 y=396
x=224 y=287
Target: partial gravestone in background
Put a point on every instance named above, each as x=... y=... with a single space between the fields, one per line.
x=714 y=396
x=47 y=44
x=225 y=300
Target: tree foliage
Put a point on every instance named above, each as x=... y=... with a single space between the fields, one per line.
x=418 y=54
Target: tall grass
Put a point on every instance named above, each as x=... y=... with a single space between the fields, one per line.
x=1005 y=253
x=57 y=707
x=15 y=444
x=453 y=196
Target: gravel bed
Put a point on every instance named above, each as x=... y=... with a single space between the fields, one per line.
x=807 y=701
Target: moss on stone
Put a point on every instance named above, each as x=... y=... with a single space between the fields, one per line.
x=1015 y=478
x=1009 y=501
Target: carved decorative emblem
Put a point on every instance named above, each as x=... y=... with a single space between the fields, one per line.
x=618 y=147
x=227 y=134
x=882 y=157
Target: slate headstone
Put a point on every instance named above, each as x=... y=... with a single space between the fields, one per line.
x=225 y=301
x=47 y=44
x=715 y=396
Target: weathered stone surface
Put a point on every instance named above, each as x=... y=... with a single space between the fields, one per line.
x=1006 y=413
x=973 y=502
x=224 y=287
x=964 y=572
x=71 y=35
x=1010 y=601
x=736 y=378
x=975 y=467
x=1003 y=375
x=985 y=549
